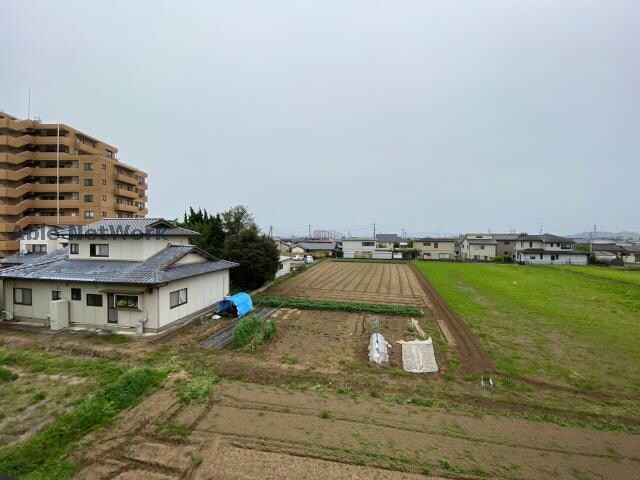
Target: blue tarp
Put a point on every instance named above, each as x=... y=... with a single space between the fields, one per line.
x=242 y=302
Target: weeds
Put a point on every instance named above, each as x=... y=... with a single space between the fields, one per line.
x=7 y=375
x=251 y=332
x=172 y=429
x=196 y=389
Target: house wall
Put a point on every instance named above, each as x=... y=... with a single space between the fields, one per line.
x=284 y=267
x=428 y=250
x=126 y=249
x=153 y=302
x=471 y=250
x=550 y=246
x=563 y=259
x=352 y=246
x=202 y=291
x=506 y=248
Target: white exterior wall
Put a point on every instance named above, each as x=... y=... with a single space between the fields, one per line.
x=470 y=250
x=42 y=236
x=202 y=291
x=126 y=248
x=284 y=267
x=153 y=302
x=353 y=246
x=563 y=259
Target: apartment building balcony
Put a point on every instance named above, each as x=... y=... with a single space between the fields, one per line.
x=9 y=245
x=130 y=180
x=123 y=192
x=123 y=207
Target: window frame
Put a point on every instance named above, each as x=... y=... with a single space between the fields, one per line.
x=76 y=294
x=186 y=298
x=56 y=295
x=74 y=248
x=88 y=182
x=93 y=249
x=126 y=307
x=22 y=290
x=94 y=296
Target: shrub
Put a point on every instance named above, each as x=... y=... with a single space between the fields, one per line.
x=305 y=304
x=196 y=389
x=498 y=259
x=252 y=332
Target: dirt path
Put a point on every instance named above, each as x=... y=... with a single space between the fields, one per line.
x=247 y=431
x=458 y=334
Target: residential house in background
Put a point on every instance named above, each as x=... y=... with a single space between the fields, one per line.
x=123 y=273
x=284 y=266
x=435 y=248
x=316 y=248
x=548 y=249
x=364 y=248
x=478 y=246
x=282 y=245
x=388 y=240
x=506 y=244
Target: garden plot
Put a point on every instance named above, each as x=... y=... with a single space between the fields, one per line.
x=377 y=283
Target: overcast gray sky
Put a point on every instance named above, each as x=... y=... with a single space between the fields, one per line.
x=433 y=116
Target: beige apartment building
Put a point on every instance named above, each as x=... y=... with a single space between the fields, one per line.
x=51 y=176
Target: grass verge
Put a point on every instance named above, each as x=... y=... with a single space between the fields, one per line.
x=305 y=304
x=43 y=455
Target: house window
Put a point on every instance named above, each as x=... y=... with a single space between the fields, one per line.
x=76 y=294
x=127 y=301
x=532 y=257
x=88 y=214
x=88 y=167
x=94 y=300
x=74 y=248
x=435 y=244
x=88 y=198
x=56 y=295
x=22 y=296
x=177 y=298
x=565 y=246
x=99 y=250
x=481 y=247
x=88 y=182
x=530 y=244
x=427 y=244
x=368 y=244
x=39 y=248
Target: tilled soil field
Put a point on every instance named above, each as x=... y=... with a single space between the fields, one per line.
x=391 y=284
x=246 y=431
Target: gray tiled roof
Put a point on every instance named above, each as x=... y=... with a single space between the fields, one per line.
x=130 y=227
x=545 y=237
x=156 y=269
x=388 y=238
x=317 y=246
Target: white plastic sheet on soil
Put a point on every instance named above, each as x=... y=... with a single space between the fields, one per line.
x=378 y=352
x=418 y=356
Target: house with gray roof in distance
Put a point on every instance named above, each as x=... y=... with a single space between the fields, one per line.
x=548 y=249
x=122 y=273
x=316 y=248
x=388 y=240
x=435 y=248
x=506 y=245
x=478 y=246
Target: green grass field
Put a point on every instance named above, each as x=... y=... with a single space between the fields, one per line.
x=577 y=326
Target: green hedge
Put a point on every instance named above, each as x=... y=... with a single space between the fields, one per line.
x=305 y=304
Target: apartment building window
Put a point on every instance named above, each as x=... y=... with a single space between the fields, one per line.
x=88 y=167
x=99 y=250
x=22 y=296
x=88 y=214
x=177 y=298
x=104 y=183
x=74 y=248
x=119 y=200
x=104 y=214
x=109 y=153
x=75 y=195
x=104 y=198
x=56 y=295
x=88 y=198
x=104 y=166
x=94 y=300
x=88 y=182
x=76 y=294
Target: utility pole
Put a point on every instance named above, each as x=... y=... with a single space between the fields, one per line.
x=374 y=232
x=309 y=231
x=404 y=234
x=270 y=231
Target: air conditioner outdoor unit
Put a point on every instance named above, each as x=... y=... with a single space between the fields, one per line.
x=6 y=315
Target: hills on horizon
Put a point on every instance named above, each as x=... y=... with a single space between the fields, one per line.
x=623 y=234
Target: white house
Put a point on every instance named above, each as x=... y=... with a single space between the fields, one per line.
x=478 y=246
x=124 y=272
x=548 y=249
x=435 y=248
x=364 y=248
x=284 y=266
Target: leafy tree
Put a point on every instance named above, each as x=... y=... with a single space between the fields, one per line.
x=210 y=227
x=237 y=219
x=257 y=255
